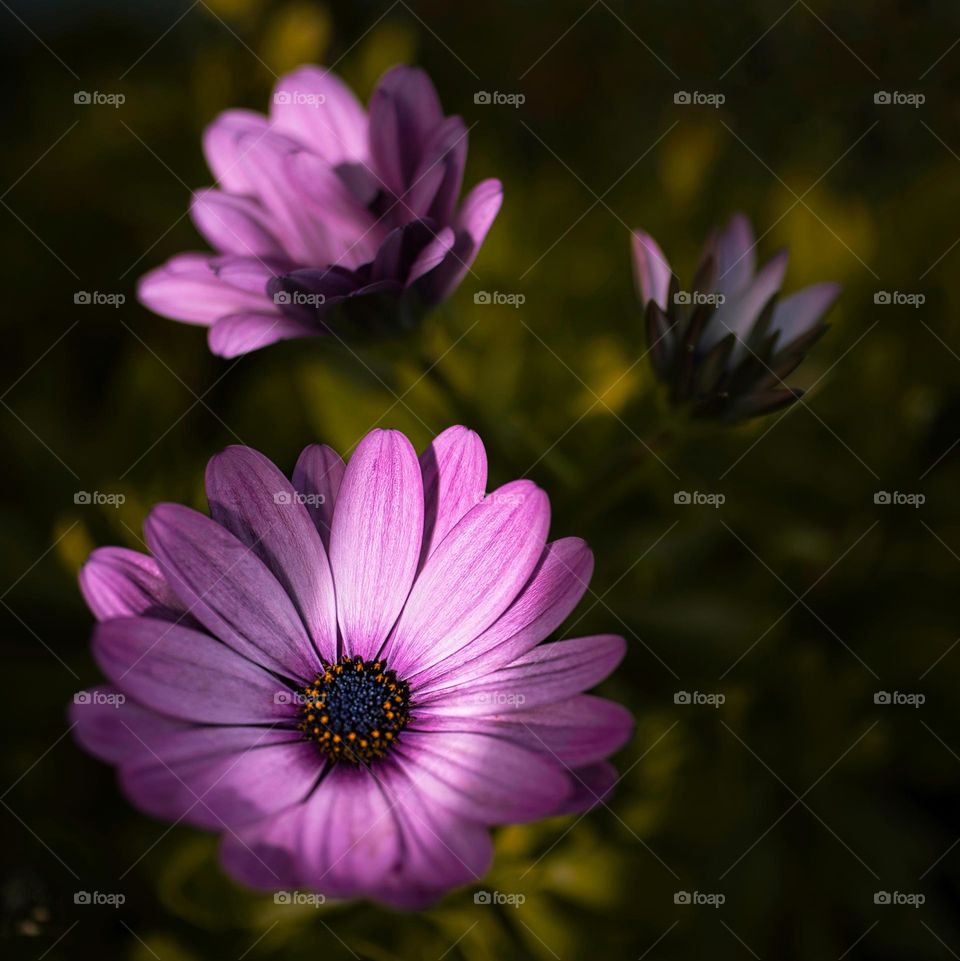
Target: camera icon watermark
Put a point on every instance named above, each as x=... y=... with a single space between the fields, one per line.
x=499 y=299
x=99 y=898
x=94 y=98
x=898 y=298
x=699 y=499
x=304 y=98
x=298 y=298
x=889 y=898
x=897 y=98
x=99 y=698
x=499 y=897
x=899 y=499
x=697 y=98
x=98 y=499
x=496 y=98
x=709 y=899
x=697 y=298
x=899 y=698
x=684 y=698
x=96 y=298
x=297 y=898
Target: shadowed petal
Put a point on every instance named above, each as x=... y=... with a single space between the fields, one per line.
x=252 y=499
x=186 y=674
x=226 y=587
x=404 y=111
x=112 y=727
x=317 y=478
x=221 y=777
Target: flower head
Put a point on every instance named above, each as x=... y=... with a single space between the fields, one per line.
x=345 y=673
x=322 y=205
x=724 y=346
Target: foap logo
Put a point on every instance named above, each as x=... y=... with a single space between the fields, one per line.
x=697 y=298
x=302 y=98
x=899 y=699
x=97 y=298
x=99 y=698
x=699 y=898
x=297 y=497
x=913 y=900
x=98 y=499
x=499 y=299
x=697 y=98
x=501 y=698
x=286 y=696
x=699 y=698
x=898 y=98
x=499 y=897
x=298 y=298
x=501 y=497
x=899 y=499
x=496 y=98
x=99 y=898
x=298 y=898
x=96 y=98
x=699 y=499
x=898 y=298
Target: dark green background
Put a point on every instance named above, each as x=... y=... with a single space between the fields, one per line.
x=800 y=598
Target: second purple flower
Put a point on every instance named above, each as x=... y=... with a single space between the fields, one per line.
x=323 y=205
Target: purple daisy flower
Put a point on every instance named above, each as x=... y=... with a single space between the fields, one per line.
x=724 y=346
x=322 y=206
x=345 y=673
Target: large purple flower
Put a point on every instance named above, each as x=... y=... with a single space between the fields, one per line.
x=323 y=206
x=345 y=675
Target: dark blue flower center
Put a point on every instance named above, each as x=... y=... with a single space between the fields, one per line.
x=355 y=710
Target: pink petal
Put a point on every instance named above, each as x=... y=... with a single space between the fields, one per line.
x=548 y=673
x=188 y=288
x=238 y=334
x=796 y=314
x=375 y=538
x=117 y=582
x=316 y=108
x=472 y=576
x=252 y=499
x=580 y=730
x=226 y=587
x=482 y=778
x=734 y=251
x=651 y=270
x=222 y=147
x=454 y=470
x=556 y=587
x=234 y=224
x=740 y=312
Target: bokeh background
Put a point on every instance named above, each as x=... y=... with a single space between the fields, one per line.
x=798 y=600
